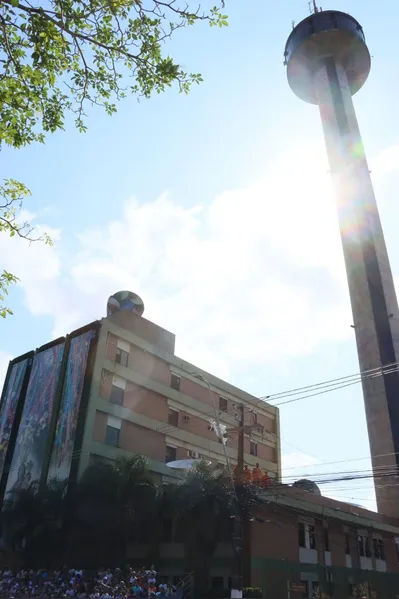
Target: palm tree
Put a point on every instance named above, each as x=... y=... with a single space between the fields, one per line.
x=206 y=502
x=31 y=519
x=108 y=503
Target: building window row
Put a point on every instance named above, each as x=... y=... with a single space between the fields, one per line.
x=307 y=540
x=175 y=381
x=122 y=357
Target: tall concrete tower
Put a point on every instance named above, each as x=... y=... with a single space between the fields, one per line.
x=327 y=62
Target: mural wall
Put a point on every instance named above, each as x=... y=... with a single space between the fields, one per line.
x=9 y=406
x=30 y=448
x=62 y=453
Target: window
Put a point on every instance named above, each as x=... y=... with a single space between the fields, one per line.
x=175 y=382
x=112 y=431
x=363 y=546
x=122 y=352
x=312 y=537
x=117 y=395
x=379 y=551
x=222 y=404
x=173 y=418
x=315 y=588
x=121 y=357
x=253 y=448
x=254 y=418
x=117 y=390
x=170 y=454
x=326 y=540
x=301 y=531
x=347 y=545
x=306 y=535
x=305 y=585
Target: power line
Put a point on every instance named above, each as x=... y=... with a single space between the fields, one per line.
x=341 y=386
x=332 y=382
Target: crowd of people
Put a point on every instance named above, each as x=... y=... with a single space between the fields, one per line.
x=80 y=584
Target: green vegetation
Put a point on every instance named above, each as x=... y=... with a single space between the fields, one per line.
x=59 y=56
x=117 y=504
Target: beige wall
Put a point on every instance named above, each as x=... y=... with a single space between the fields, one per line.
x=148 y=399
x=100 y=424
x=138 y=439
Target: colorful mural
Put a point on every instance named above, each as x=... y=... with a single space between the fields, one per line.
x=30 y=448
x=9 y=406
x=61 y=457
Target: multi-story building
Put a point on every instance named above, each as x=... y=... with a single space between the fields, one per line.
x=117 y=387
x=306 y=545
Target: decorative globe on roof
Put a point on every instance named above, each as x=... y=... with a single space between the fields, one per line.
x=125 y=300
x=305 y=484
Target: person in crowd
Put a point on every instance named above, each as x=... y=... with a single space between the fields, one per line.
x=247 y=474
x=256 y=474
x=78 y=584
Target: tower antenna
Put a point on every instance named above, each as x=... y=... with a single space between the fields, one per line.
x=316 y=10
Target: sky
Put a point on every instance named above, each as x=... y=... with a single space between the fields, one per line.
x=217 y=209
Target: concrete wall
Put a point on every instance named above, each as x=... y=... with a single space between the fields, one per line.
x=148 y=399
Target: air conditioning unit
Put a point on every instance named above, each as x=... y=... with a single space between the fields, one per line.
x=186 y=418
x=194 y=455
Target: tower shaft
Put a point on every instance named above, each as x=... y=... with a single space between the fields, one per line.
x=371 y=286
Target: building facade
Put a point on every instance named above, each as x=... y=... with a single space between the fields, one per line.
x=115 y=388
x=306 y=545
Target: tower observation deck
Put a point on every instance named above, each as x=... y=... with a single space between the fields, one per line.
x=327 y=62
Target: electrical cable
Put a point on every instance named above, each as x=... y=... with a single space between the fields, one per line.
x=298 y=390
x=341 y=386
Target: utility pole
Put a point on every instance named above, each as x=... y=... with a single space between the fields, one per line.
x=240 y=531
x=236 y=581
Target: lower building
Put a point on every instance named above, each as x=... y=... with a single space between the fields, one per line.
x=302 y=545
x=306 y=545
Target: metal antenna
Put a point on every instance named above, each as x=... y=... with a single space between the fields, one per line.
x=310 y=7
x=316 y=10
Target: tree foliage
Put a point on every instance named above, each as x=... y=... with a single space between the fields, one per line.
x=30 y=513
x=114 y=503
x=11 y=195
x=58 y=56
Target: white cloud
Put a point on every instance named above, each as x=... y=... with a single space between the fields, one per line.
x=255 y=276
x=387 y=161
x=295 y=463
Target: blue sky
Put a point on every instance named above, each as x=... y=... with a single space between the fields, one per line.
x=216 y=208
